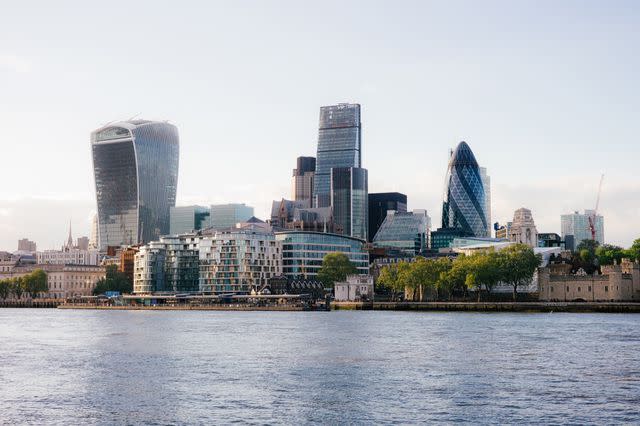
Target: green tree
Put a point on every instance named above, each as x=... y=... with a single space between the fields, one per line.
x=17 y=288
x=388 y=279
x=114 y=280
x=335 y=268
x=517 y=264
x=455 y=279
x=483 y=271
x=607 y=254
x=35 y=283
x=5 y=289
x=634 y=251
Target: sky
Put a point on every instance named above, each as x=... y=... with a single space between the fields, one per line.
x=546 y=93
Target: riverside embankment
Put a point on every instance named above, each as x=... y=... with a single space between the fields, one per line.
x=609 y=307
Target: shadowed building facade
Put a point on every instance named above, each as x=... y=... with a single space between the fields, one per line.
x=465 y=205
x=339 y=145
x=135 y=167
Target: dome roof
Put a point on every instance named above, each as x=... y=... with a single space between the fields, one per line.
x=463 y=155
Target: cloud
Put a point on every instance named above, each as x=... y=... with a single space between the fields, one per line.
x=15 y=64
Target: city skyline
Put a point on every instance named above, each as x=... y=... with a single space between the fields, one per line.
x=540 y=129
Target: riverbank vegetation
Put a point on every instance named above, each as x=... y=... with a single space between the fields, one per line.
x=32 y=284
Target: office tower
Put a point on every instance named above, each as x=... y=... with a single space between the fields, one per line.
x=135 y=166
x=186 y=219
x=379 y=204
x=339 y=145
x=464 y=205
x=577 y=225
x=523 y=228
x=303 y=251
x=407 y=232
x=486 y=184
x=302 y=181
x=26 y=245
x=82 y=243
x=227 y=215
x=93 y=237
x=349 y=200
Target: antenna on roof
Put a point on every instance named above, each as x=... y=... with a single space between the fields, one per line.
x=134 y=116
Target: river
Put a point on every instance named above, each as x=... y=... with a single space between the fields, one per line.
x=206 y=367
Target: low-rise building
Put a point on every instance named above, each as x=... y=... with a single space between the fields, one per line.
x=355 y=288
x=617 y=283
x=63 y=280
x=68 y=256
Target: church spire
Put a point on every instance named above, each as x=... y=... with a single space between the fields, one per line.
x=70 y=240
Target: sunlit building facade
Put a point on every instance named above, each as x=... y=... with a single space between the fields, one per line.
x=465 y=205
x=577 y=225
x=407 y=232
x=135 y=167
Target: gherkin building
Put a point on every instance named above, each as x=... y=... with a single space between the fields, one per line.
x=464 y=205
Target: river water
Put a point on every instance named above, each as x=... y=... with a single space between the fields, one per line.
x=207 y=367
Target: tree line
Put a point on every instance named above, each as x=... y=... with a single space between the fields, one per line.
x=590 y=255
x=32 y=284
x=444 y=277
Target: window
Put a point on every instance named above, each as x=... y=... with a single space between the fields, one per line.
x=567 y=288
x=606 y=288
x=578 y=288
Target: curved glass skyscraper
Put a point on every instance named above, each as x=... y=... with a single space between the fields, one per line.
x=464 y=205
x=135 y=165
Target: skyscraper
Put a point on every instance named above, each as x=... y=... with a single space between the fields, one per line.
x=379 y=204
x=135 y=166
x=339 y=144
x=186 y=219
x=303 y=176
x=577 y=225
x=350 y=201
x=465 y=205
x=407 y=232
x=486 y=184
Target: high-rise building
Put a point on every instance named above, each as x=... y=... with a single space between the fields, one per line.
x=486 y=184
x=523 y=229
x=303 y=252
x=379 y=204
x=405 y=232
x=339 y=146
x=93 y=237
x=350 y=201
x=303 y=175
x=82 y=243
x=227 y=215
x=577 y=225
x=185 y=219
x=26 y=245
x=135 y=166
x=465 y=205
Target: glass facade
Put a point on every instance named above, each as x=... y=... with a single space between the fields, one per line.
x=303 y=252
x=464 y=205
x=380 y=204
x=577 y=225
x=339 y=145
x=227 y=215
x=350 y=200
x=407 y=232
x=136 y=175
x=188 y=218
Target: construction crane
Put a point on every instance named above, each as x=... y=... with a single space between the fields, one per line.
x=594 y=214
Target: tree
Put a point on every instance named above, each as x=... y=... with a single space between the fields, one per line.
x=517 y=264
x=607 y=254
x=114 y=280
x=455 y=279
x=17 y=287
x=5 y=289
x=590 y=245
x=388 y=279
x=335 y=267
x=483 y=271
x=35 y=283
x=634 y=251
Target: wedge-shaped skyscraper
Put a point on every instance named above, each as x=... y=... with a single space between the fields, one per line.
x=464 y=205
x=135 y=165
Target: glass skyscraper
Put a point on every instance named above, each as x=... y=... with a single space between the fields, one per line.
x=350 y=200
x=379 y=204
x=465 y=205
x=339 y=144
x=135 y=167
x=577 y=225
x=405 y=232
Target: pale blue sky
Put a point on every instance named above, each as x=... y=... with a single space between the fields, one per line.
x=545 y=93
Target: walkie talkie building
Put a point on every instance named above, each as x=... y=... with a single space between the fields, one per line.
x=135 y=166
x=464 y=205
